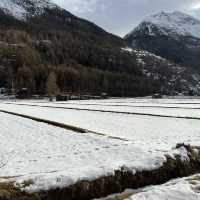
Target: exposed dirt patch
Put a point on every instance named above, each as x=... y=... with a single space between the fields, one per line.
x=9 y=192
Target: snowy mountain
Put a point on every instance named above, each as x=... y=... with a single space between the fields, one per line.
x=46 y=15
x=21 y=9
x=174 y=36
x=174 y=24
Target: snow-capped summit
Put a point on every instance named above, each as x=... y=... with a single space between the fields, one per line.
x=21 y=9
x=174 y=36
x=174 y=23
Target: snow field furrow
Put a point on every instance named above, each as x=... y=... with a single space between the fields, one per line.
x=148 y=111
x=160 y=133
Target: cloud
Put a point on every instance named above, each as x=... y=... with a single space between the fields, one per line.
x=121 y=16
x=78 y=6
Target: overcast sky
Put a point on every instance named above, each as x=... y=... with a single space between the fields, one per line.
x=121 y=16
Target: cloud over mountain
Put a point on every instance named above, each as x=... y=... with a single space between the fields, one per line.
x=121 y=16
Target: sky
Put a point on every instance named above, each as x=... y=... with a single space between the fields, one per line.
x=121 y=16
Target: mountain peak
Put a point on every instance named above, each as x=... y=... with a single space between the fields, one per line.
x=170 y=23
x=177 y=17
x=177 y=23
x=174 y=36
x=20 y=9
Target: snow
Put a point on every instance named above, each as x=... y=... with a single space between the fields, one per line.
x=127 y=49
x=162 y=133
x=165 y=100
x=13 y=9
x=142 y=53
x=19 y=8
x=172 y=110
x=174 y=23
x=177 y=23
x=156 y=67
x=125 y=104
x=53 y=157
x=180 y=189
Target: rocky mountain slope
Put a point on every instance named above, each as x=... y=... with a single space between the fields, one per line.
x=171 y=77
x=174 y=36
x=24 y=9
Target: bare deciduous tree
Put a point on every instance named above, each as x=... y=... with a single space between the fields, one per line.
x=51 y=85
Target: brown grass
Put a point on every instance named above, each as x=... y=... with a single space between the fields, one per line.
x=9 y=192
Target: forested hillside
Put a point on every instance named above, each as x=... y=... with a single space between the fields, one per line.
x=84 y=57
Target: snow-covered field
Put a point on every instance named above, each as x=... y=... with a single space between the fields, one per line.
x=180 y=189
x=173 y=110
x=55 y=157
x=162 y=133
x=188 y=108
x=177 y=100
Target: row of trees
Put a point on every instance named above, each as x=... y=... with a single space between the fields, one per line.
x=80 y=80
